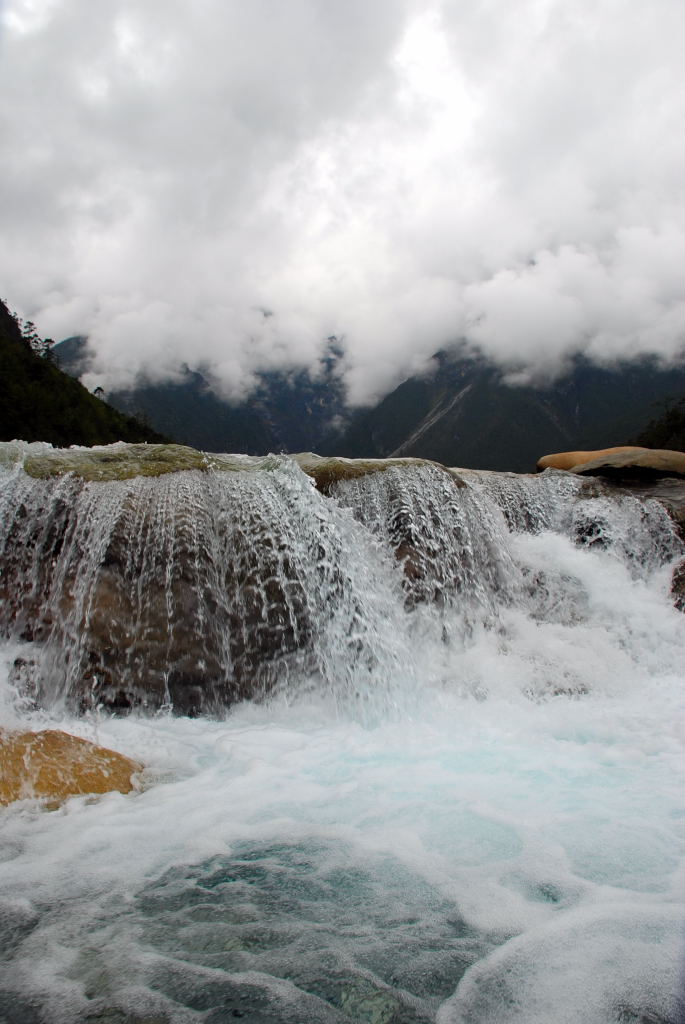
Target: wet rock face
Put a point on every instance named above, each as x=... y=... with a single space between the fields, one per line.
x=438 y=531
x=148 y=593
x=194 y=590
x=678 y=586
x=53 y=765
x=191 y=590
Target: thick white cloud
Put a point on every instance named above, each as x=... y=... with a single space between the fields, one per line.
x=399 y=173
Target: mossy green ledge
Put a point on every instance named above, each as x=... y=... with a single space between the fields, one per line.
x=122 y=461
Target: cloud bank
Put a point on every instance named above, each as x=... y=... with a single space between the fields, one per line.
x=400 y=174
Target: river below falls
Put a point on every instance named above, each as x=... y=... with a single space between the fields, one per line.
x=483 y=825
x=482 y=860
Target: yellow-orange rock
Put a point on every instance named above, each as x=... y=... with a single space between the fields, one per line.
x=55 y=765
x=568 y=460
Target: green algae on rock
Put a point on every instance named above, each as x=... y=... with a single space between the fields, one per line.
x=121 y=461
x=328 y=470
x=125 y=461
x=114 y=462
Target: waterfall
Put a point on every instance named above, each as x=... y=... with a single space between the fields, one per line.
x=196 y=589
x=412 y=741
x=193 y=589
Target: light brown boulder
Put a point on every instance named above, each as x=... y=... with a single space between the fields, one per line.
x=56 y=765
x=646 y=462
x=569 y=460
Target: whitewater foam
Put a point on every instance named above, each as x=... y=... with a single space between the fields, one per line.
x=498 y=837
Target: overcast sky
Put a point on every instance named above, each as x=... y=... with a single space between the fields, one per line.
x=399 y=173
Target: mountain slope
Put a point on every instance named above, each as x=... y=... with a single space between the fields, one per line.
x=666 y=430
x=40 y=403
x=462 y=414
x=287 y=413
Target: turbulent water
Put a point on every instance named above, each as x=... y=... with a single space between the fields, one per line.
x=449 y=785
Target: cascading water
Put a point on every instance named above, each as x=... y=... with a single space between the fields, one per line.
x=192 y=590
x=435 y=772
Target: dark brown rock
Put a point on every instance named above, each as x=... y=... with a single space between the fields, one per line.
x=678 y=586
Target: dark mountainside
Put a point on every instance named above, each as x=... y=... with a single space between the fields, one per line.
x=460 y=413
x=38 y=402
x=287 y=413
x=667 y=430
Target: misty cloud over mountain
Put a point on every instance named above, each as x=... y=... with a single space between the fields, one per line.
x=227 y=185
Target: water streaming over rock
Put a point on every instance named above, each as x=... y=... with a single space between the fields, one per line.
x=193 y=589
x=435 y=766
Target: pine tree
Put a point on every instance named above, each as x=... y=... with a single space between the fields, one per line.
x=30 y=336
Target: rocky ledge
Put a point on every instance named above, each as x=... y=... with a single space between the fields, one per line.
x=624 y=462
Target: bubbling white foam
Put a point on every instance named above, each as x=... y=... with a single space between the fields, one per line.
x=499 y=837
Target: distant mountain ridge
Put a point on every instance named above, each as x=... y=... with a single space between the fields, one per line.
x=460 y=412
x=667 y=430
x=287 y=413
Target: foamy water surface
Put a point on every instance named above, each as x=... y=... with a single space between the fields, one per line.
x=495 y=836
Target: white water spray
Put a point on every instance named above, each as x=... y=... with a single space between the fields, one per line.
x=454 y=795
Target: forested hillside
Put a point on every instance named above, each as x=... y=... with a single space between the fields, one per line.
x=667 y=430
x=40 y=403
x=463 y=414
x=287 y=412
